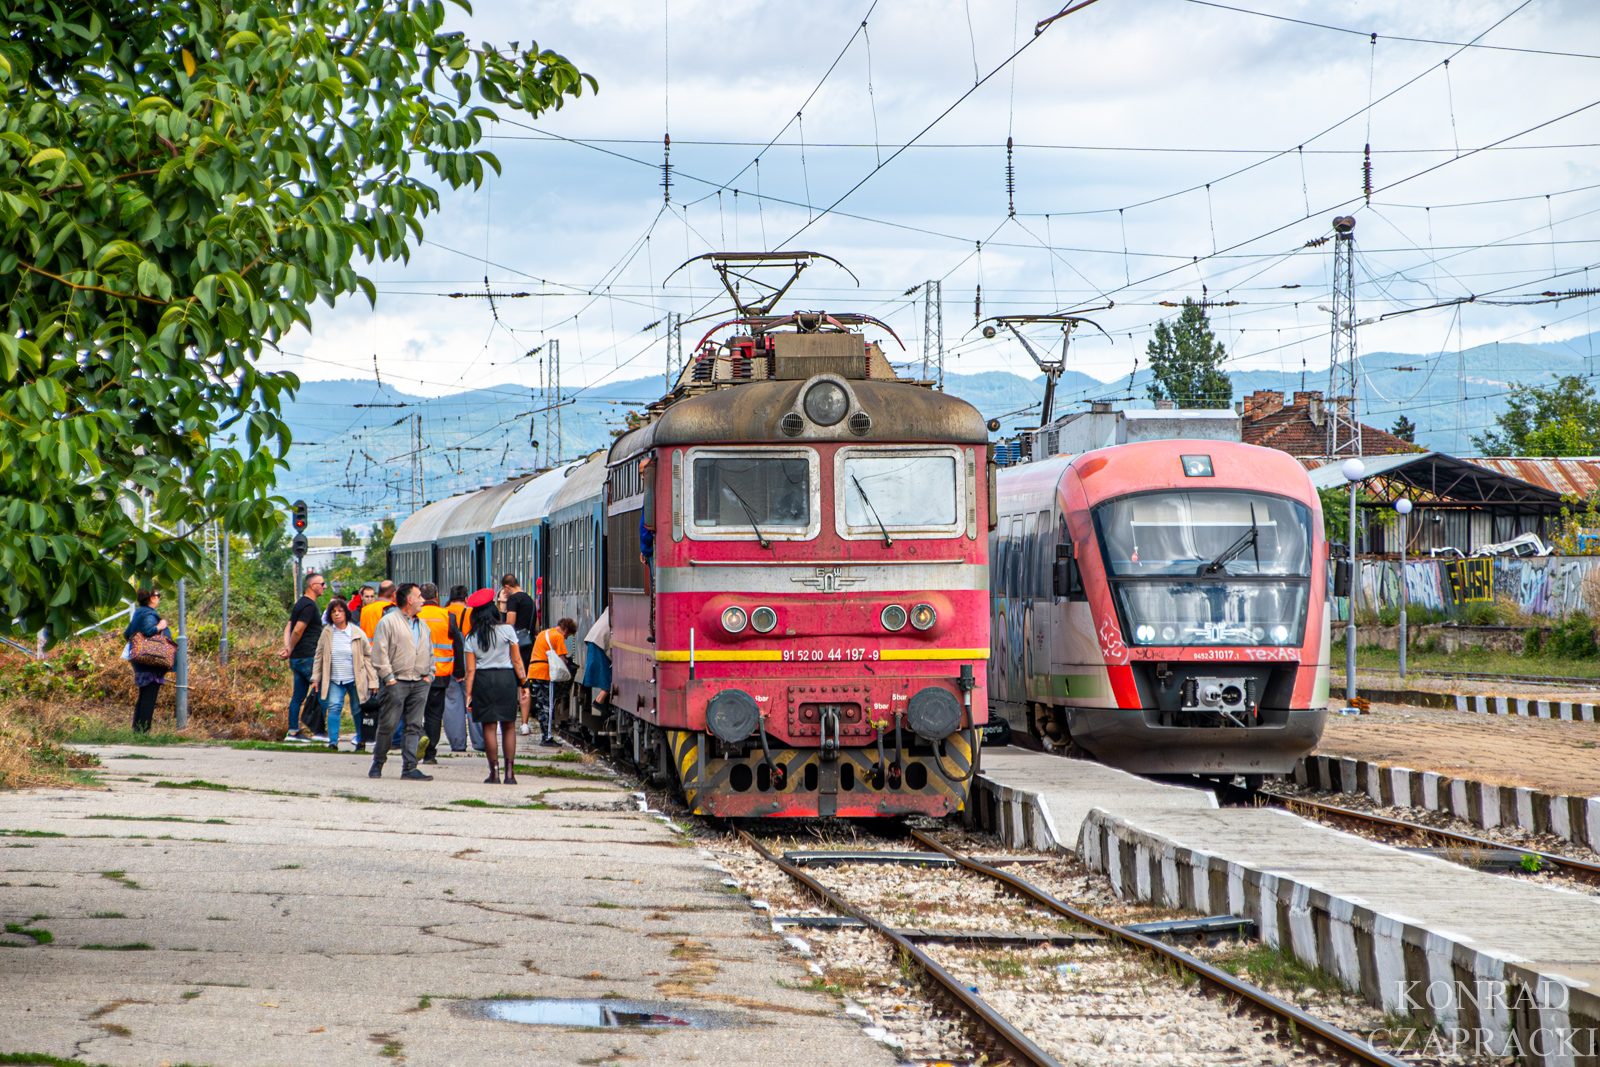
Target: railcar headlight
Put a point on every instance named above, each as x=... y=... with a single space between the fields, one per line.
x=1280 y=634
x=733 y=619
x=893 y=617
x=923 y=616
x=1145 y=634
x=1168 y=633
x=763 y=619
x=826 y=403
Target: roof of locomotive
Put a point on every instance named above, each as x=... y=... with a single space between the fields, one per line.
x=753 y=411
x=1142 y=466
x=530 y=501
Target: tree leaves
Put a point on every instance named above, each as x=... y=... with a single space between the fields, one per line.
x=1184 y=360
x=179 y=181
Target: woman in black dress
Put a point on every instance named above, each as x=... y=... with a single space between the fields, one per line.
x=494 y=672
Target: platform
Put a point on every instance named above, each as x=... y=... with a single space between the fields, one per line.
x=1034 y=800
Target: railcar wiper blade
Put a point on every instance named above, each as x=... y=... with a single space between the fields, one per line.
x=1246 y=540
x=888 y=542
x=751 y=515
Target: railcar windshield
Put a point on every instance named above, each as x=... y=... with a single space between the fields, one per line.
x=746 y=491
x=901 y=490
x=1221 y=567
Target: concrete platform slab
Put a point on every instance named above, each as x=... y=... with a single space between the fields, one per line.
x=1034 y=800
x=300 y=912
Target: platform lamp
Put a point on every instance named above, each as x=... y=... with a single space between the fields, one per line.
x=1353 y=470
x=1403 y=507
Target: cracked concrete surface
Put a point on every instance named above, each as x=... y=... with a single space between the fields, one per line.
x=307 y=926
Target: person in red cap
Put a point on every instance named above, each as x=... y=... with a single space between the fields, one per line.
x=495 y=672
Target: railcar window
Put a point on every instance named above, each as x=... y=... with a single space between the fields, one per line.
x=1181 y=533
x=899 y=490
x=743 y=491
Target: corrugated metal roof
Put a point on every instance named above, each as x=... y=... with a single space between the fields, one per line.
x=1568 y=475
x=1446 y=478
x=1331 y=475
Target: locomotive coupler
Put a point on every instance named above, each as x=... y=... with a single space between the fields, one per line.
x=830 y=745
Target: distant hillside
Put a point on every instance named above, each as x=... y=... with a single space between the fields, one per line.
x=352 y=454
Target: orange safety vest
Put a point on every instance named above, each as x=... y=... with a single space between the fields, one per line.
x=371 y=614
x=459 y=612
x=444 y=653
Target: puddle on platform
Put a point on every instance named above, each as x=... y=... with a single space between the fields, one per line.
x=599 y=1014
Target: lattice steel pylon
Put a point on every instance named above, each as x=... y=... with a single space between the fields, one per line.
x=932 y=331
x=552 y=405
x=674 y=348
x=1344 y=429
x=419 y=495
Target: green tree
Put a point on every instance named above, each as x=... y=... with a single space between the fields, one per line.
x=1404 y=429
x=179 y=180
x=1562 y=419
x=1184 y=358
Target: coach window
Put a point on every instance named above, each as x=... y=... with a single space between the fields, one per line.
x=902 y=492
x=741 y=494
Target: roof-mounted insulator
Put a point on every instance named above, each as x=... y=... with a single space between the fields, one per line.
x=1366 y=174
x=666 y=168
x=977 y=304
x=1011 y=182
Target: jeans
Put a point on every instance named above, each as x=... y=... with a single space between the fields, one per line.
x=455 y=715
x=301 y=669
x=333 y=708
x=403 y=704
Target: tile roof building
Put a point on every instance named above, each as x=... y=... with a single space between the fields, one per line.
x=1300 y=428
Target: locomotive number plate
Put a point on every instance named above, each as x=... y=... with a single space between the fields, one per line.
x=832 y=654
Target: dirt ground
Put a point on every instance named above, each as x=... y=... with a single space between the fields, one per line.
x=1550 y=755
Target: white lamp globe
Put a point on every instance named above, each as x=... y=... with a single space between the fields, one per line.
x=1353 y=470
x=1403 y=506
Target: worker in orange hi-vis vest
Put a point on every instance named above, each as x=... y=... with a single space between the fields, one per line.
x=446 y=655
x=553 y=640
x=378 y=608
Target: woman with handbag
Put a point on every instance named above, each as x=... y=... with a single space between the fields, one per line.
x=494 y=672
x=549 y=666
x=342 y=672
x=150 y=650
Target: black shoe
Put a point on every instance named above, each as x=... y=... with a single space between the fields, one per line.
x=333 y=746
x=376 y=771
x=550 y=742
x=362 y=748
x=414 y=775
x=432 y=761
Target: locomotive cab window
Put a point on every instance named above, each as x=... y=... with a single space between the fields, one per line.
x=904 y=492
x=740 y=494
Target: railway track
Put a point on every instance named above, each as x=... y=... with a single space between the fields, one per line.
x=1478 y=676
x=1000 y=1038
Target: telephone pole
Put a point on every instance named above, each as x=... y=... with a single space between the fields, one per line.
x=1344 y=429
x=932 y=332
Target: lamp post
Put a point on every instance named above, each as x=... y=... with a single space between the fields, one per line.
x=1403 y=507
x=1352 y=470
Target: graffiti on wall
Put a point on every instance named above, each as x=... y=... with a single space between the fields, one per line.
x=1548 y=586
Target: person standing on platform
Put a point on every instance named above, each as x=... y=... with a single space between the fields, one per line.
x=147 y=620
x=402 y=654
x=455 y=694
x=343 y=672
x=300 y=649
x=378 y=608
x=494 y=672
x=544 y=690
x=446 y=654
x=519 y=613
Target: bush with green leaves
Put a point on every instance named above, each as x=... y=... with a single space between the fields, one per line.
x=179 y=181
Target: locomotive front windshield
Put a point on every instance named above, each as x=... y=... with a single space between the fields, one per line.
x=746 y=491
x=1208 y=568
x=900 y=490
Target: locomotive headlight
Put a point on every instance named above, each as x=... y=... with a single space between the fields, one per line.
x=893 y=617
x=1168 y=633
x=826 y=403
x=923 y=616
x=763 y=619
x=1280 y=634
x=1145 y=634
x=733 y=619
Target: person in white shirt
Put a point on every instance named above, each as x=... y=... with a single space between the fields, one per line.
x=342 y=671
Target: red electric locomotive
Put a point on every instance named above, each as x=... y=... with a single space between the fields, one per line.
x=809 y=637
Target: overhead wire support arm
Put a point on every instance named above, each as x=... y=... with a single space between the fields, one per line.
x=1051 y=368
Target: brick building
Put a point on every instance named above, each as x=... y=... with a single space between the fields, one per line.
x=1300 y=428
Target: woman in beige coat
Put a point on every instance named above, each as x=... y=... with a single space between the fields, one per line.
x=343 y=669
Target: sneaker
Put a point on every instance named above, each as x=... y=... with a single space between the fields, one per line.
x=414 y=775
x=523 y=729
x=333 y=746
x=319 y=737
x=305 y=734
x=376 y=772
x=550 y=742
x=431 y=760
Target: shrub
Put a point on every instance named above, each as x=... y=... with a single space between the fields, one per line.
x=1572 y=638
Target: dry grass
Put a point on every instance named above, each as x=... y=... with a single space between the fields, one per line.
x=83 y=694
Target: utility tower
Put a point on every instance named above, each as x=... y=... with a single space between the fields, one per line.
x=674 y=348
x=932 y=331
x=552 y=405
x=419 y=495
x=1344 y=429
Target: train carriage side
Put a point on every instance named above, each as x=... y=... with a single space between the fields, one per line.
x=413 y=555
x=1163 y=606
x=811 y=638
x=517 y=535
x=576 y=581
x=464 y=538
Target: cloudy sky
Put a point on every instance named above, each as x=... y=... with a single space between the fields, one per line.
x=1164 y=148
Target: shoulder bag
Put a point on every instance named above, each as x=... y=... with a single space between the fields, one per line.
x=157 y=651
x=558 y=666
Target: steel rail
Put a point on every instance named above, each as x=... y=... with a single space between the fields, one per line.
x=1349 y=1045
x=1580 y=869
x=992 y=1023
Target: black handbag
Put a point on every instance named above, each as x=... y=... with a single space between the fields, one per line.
x=371 y=711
